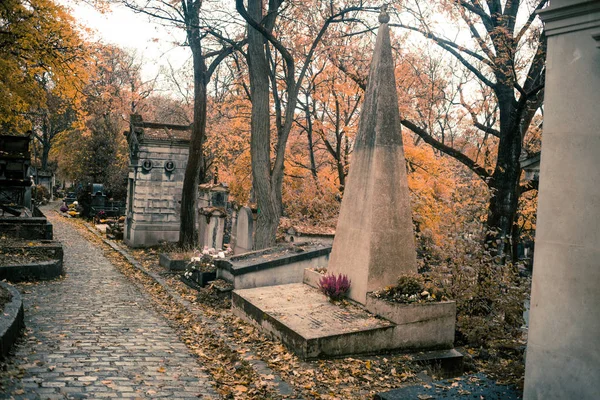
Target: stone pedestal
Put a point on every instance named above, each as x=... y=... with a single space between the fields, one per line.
x=563 y=350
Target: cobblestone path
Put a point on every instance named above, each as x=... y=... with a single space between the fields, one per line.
x=91 y=335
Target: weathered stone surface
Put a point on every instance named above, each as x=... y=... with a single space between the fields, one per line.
x=211 y=228
x=244 y=231
x=266 y=268
x=302 y=318
x=311 y=326
x=311 y=277
x=11 y=320
x=26 y=228
x=374 y=241
x=174 y=261
x=154 y=193
x=32 y=271
x=563 y=350
x=418 y=326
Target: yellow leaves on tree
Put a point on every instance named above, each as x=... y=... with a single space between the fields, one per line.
x=38 y=42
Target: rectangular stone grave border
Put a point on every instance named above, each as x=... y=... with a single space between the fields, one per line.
x=360 y=339
x=418 y=325
x=258 y=268
x=202 y=278
x=33 y=271
x=36 y=271
x=11 y=321
x=173 y=261
x=26 y=228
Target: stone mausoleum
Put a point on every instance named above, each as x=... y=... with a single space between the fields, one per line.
x=158 y=157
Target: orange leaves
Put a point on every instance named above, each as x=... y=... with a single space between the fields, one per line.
x=39 y=42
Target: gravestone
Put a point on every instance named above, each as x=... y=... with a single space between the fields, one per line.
x=374 y=239
x=212 y=227
x=244 y=231
x=212 y=214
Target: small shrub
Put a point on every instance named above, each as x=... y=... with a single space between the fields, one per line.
x=412 y=288
x=409 y=285
x=41 y=194
x=334 y=287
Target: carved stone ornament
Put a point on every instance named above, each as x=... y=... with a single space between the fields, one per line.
x=169 y=166
x=147 y=165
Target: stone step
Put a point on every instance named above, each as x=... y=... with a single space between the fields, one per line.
x=444 y=363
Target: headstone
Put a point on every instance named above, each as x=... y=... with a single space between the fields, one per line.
x=244 y=231
x=212 y=227
x=374 y=241
x=212 y=205
x=563 y=349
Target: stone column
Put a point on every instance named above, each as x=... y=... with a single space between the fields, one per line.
x=563 y=352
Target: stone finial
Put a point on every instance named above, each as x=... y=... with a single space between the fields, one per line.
x=384 y=17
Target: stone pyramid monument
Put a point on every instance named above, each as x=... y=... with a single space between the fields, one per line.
x=374 y=240
x=374 y=244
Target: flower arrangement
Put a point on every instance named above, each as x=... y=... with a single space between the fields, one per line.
x=204 y=263
x=334 y=287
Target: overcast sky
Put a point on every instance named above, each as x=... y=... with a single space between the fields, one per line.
x=153 y=43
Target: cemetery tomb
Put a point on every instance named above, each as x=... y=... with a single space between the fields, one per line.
x=373 y=245
x=158 y=157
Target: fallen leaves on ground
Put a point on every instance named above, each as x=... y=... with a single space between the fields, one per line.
x=234 y=377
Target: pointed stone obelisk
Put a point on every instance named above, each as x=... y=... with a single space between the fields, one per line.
x=374 y=240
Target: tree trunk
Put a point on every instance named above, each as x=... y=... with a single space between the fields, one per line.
x=504 y=184
x=194 y=172
x=45 y=153
x=260 y=139
x=45 y=141
x=311 y=149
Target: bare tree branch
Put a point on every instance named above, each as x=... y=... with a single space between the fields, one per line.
x=427 y=138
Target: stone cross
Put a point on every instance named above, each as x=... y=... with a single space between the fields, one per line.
x=374 y=241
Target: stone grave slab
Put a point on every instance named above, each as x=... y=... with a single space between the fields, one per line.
x=302 y=318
